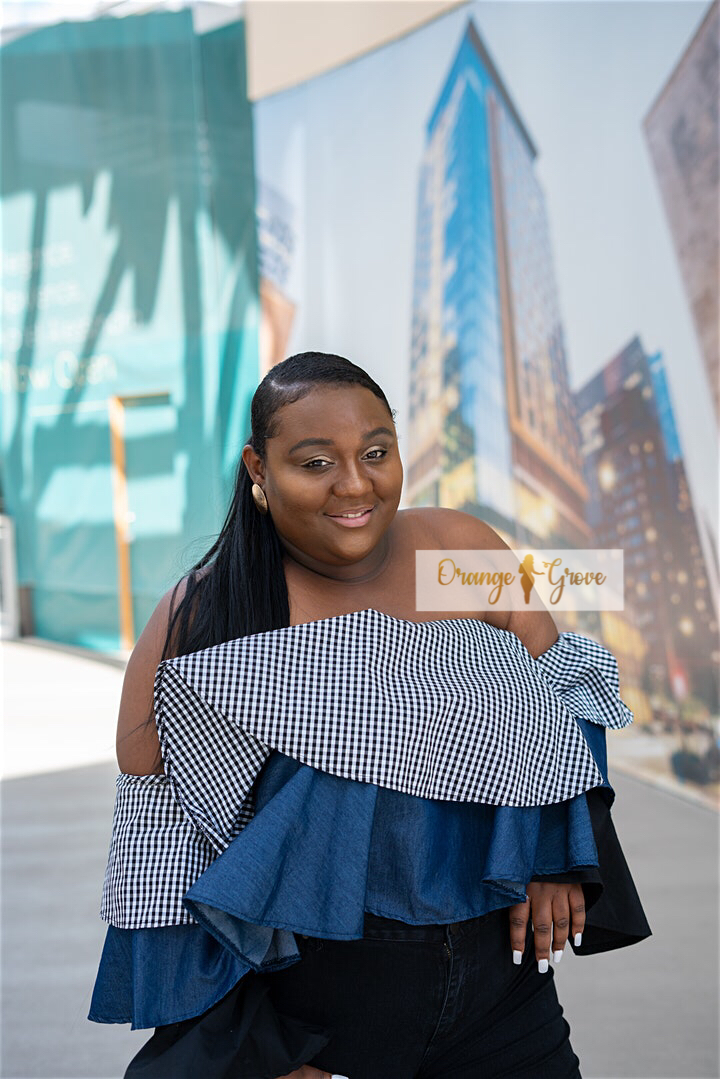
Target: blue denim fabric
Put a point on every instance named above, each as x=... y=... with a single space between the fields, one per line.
x=300 y=864
x=319 y=852
x=467 y=859
x=412 y=859
x=148 y=977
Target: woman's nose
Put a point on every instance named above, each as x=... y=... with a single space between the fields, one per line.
x=352 y=480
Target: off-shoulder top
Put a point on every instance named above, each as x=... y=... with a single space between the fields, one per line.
x=424 y=772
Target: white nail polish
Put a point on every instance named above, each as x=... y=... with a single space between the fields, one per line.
x=543 y=966
x=557 y=956
x=517 y=958
x=334 y=1076
x=578 y=940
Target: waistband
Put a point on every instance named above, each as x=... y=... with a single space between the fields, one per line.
x=376 y=927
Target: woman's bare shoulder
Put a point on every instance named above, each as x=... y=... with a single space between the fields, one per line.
x=453 y=530
x=450 y=529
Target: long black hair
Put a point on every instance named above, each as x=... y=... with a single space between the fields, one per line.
x=238 y=587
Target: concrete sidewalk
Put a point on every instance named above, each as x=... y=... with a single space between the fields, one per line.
x=60 y=707
x=637 y=752
x=59 y=716
x=648 y=1012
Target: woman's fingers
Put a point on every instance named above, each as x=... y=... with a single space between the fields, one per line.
x=577 y=911
x=560 y=921
x=519 y=917
x=542 y=920
x=557 y=910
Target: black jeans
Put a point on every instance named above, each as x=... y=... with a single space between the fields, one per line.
x=429 y=1002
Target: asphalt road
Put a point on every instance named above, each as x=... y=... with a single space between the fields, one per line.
x=645 y=1012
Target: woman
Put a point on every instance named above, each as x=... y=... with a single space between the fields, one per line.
x=355 y=834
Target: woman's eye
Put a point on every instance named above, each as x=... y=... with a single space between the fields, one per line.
x=316 y=463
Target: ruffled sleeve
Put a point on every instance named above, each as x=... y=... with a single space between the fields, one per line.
x=156 y=853
x=585 y=677
x=616 y=918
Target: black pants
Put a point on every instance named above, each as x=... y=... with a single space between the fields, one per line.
x=429 y=1002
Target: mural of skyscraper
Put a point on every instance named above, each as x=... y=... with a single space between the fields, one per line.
x=640 y=501
x=683 y=134
x=492 y=422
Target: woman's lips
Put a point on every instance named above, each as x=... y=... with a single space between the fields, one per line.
x=352 y=522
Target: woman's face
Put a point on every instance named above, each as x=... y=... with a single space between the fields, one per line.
x=332 y=477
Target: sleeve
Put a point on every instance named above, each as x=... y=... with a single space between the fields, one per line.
x=156 y=853
x=585 y=676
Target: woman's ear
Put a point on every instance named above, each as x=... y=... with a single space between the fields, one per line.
x=254 y=464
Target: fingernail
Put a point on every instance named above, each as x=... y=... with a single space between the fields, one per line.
x=543 y=966
x=517 y=958
x=557 y=956
x=578 y=940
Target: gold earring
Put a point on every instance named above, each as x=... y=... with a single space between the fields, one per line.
x=259 y=498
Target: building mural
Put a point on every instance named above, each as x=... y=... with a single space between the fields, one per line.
x=129 y=333
x=682 y=129
x=492 y=428
x=640 y=501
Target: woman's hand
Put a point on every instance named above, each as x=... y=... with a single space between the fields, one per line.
x=556 y=910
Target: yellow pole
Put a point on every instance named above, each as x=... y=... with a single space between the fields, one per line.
x=116 y=411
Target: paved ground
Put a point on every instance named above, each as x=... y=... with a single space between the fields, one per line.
x=641 y=753
x=647 y=1012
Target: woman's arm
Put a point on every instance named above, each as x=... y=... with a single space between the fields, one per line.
x=535 y=629
x=136 y=744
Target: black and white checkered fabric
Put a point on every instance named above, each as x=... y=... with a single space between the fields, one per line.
x=154 y=842
x=585 y=675
x=451 y=709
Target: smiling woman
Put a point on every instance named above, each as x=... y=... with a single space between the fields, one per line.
x=331 y=836
x=344 y=477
